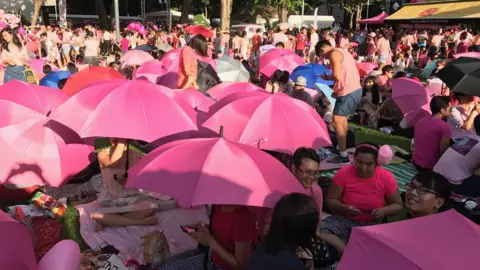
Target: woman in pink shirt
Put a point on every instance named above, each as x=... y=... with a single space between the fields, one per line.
x=13 y=56
x=383 y=49
x=361 y=194
x=462 y=46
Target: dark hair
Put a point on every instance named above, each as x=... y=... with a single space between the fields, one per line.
x=43 y=34
x=280 y=44
x=438 y=103
x=244 y=34
x=400 y=74
x=435 y=182
x=294 y=223
x=367 y=148
x=386 y=69
x=15 y=40
x=476 y=124
x=47 y=69
x=277 y=75
x=304 y=153
x=285 y=77
x=463 y=36
x=61 y=83
x=199 y=44
x=375 y=90
x=321 y=44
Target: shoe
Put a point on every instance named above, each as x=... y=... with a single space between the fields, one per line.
x=339 y=160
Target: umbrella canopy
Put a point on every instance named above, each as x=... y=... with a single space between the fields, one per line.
x=365 y=68
x=220 y=172
x=412 y=98
x=150 y=70
x=36 y=150
x=227 y=88
x=279 y=59
x=125 y=109
x=231 y=70
x=199 y=30
x=164 y=47
x=311 y=72
x=272 y=122
x=427 y=71
x=194 y=99
x=145 y=48
x=462 y=75
x=53 y=77
x=375 y=20
x=468 y=54
x=199 y=19
x=87 y=76
x=37 y=66
x=136 y=57
x=16 y=248
x=171 y=64
x=420 y=243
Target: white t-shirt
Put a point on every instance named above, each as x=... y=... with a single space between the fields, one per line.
x=461 y=160
x=106 y=36
x=456 y=119
x=313 y=41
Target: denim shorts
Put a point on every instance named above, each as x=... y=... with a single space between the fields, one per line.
x=346 y=105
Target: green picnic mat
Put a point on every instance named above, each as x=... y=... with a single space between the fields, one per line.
x=402 y=172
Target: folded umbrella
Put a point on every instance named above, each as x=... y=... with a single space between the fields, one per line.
x=312 y=73
x=227 y=88
x=220 y=172
x=231 y=70
x=136 y=57
x=281 y=59
x=88 y=76
x=462 y=75
x=272 y=122
x=412 y=98
x=125 y=109
x=52 y=78
x=36 y=150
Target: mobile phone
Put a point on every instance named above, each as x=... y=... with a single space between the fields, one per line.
x=187 y=229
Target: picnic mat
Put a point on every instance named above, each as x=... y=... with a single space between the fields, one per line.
x=403 y=173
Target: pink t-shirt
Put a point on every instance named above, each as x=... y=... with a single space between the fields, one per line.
x=365 y=194
x=370 y=48
x=460 y=161
x=350 y=78
x=428 y=132
x=124 y=43
x=384 y=83
x=383 y=47
x=462 y=47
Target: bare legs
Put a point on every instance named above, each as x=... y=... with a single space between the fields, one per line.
x=340 y=124
x=134 y=218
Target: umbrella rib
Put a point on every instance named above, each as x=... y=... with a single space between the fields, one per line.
x=36 y=97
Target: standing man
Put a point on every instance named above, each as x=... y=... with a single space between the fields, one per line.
x=301 y=42
x=313 y=41
x=347 y=90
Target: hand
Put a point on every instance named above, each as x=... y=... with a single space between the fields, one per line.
x=379 y=214
x=477 y=107
x=353 y=211
x=202 y=236
x=334 y=95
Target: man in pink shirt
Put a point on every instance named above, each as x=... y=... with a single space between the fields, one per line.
x=347 y=91
x=432 y=135
x=384 y=81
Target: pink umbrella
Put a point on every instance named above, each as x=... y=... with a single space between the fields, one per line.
x=171 y=64
x=125 y=109
x=220 y=172
x=150 y=70
x=35 y=150
x=279 y=59
x=193 y=98
x=37 y=66
x=420 y=243
x=412 y=98
x=468 y=54
x=365 y=68
x=136 y=57
x=227 y=88
x=272 y=122
x=16 y=252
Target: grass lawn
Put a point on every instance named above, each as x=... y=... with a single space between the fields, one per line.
x=71 y=225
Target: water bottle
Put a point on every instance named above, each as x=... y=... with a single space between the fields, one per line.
x=412 y=145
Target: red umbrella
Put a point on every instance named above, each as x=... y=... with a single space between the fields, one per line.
x=87 y=76
x=199 y=30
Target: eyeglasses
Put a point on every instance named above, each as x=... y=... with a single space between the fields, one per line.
x=311 y=173
x=420 y=190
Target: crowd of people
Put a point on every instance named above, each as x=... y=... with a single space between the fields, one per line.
x=303 y=231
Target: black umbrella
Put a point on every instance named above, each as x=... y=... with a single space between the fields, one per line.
x=462 y=75
x=145 y=48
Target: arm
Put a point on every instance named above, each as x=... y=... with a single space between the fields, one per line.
x=394 y=204
x=105 y=159
x=334 y=195
x=336 y=62
x=335 y=241
x=444 y=144
x=469 y=123
x=239 y=259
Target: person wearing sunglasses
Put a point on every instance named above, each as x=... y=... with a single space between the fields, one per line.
x=426 y=194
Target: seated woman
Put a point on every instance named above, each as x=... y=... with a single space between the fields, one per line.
x=462 y=116
x=275 y=85
x=117 y=205
x=388 y=114
x=426 y=194
x=371 y=97
x=361 y=194
x=294 y=225
x=231 y=237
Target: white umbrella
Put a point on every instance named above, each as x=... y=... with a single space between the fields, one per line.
x=265 y=48
x=164 y=47
x=231 y=70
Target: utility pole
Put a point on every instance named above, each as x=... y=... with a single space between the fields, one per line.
x=142 y=8
x=117 y=19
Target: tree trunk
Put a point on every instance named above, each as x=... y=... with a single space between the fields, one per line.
x=283 y=12
x=226 y=11
x=206 y=11
x=351 y=18
x=37 y=5
x=102 y=14
x=185 y=11
x=359 y=14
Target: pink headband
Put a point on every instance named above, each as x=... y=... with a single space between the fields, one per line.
x=385 y=153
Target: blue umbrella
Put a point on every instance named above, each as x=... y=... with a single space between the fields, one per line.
x=53 y=77
x=311 y=72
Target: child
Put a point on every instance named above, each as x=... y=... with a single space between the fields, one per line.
x=399 y=62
